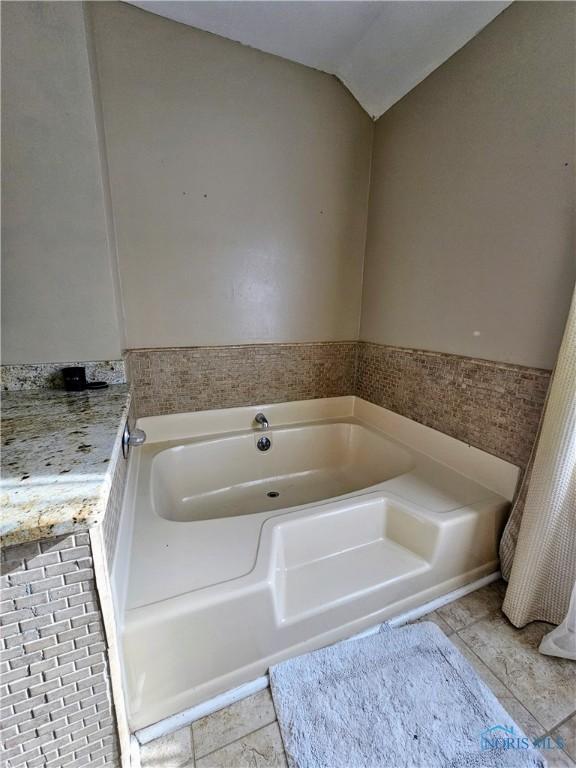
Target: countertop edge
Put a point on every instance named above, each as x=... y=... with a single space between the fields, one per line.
x=39 y=532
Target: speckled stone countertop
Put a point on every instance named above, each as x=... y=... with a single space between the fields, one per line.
x=59 y=452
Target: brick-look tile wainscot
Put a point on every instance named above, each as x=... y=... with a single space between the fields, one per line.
x=56 y=700
x=200 y=378
x=492 y=406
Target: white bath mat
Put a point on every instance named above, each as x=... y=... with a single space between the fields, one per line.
x=403 y=698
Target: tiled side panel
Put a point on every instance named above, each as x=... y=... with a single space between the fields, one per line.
x=199 y=378
x=492 y=406
x=111 y=523
x=56 y=702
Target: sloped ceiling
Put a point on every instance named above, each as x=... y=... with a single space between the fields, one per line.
x=379 y=50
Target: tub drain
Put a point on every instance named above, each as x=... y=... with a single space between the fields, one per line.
x=272 y=494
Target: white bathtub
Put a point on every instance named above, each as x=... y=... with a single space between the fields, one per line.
x=375 y=514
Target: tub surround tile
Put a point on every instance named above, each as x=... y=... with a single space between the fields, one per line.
x=202 y=378
x=59 y=456
x=493 y=406
x=232 y=723
x=261 y=749
x=468 y=609
x=23 y=376
x=544 y=685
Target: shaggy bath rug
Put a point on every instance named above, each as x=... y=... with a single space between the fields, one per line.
x=403 y=698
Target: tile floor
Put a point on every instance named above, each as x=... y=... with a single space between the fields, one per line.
x=538 y=691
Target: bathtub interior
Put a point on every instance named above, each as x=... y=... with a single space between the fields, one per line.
x=225 y=476
x=193 y=549
x=421 y=516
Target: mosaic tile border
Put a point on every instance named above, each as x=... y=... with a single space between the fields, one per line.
x=16 y=377
x=493 y=406
x=178 y=380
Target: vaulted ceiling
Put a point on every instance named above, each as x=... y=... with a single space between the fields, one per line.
x=379 y=50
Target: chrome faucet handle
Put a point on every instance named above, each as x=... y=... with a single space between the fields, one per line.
x=261 y=420
x=137 y=437
x=129 y=438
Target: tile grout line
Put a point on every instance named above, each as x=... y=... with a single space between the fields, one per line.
x=472 y=623
x=193 y=745
x=560 y=723
x=512 y=695
x=244 y=736
x=546 y=732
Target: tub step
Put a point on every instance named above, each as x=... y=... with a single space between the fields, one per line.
x=333 y=556
x=322 y=584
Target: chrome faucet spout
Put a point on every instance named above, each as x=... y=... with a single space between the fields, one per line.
x=262 y=421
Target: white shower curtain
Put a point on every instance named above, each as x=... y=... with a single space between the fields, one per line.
x=538 y=548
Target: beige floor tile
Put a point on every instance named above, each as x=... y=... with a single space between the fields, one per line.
x=172 y=751
x=229 y=724
x=557 y=758
x=496 y=686
x=438 y=620
x=261 y=749
x=531 y=727
x=476 y=605
x=567 y=732
x=543 y=684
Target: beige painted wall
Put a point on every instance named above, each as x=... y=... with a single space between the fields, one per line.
x=239 y=184
x=471 y=224
x=58 y=301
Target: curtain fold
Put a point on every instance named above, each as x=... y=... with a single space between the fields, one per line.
x=538 y=547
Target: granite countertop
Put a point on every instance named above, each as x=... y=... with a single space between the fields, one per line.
x=59 y=452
